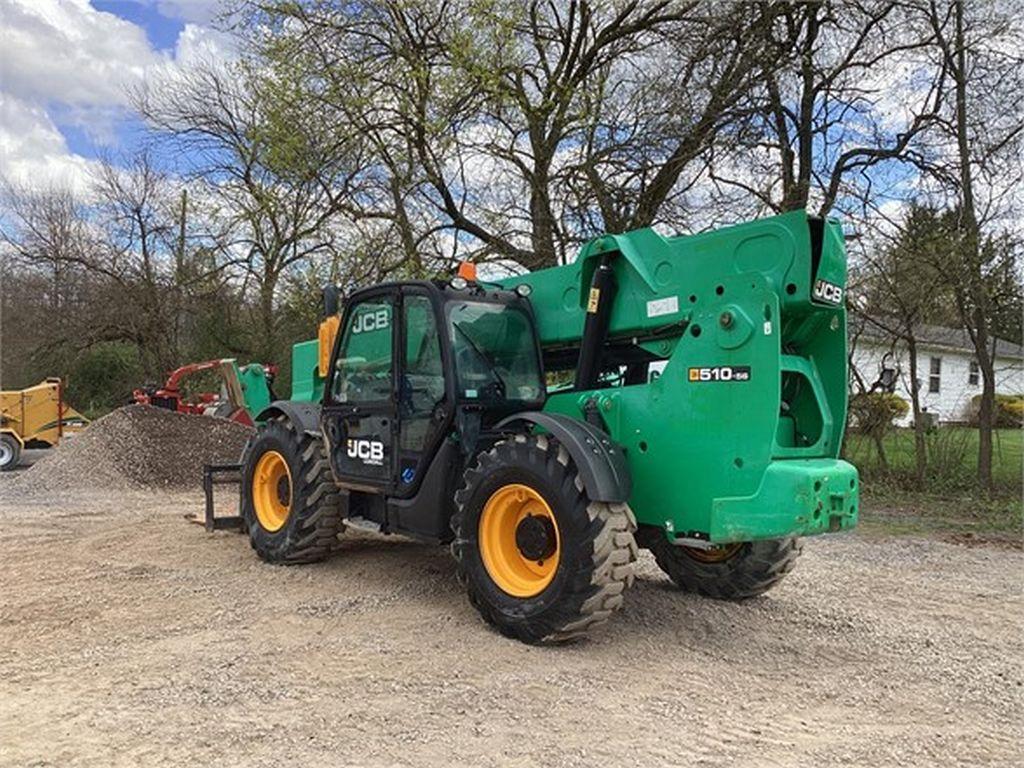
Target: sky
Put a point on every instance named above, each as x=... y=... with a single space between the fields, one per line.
x=65 y=70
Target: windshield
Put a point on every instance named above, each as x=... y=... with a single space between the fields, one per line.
x=495 y=352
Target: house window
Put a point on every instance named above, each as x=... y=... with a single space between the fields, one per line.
x=934 y=374
x=972 y=373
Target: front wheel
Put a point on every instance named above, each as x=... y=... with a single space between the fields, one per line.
x=729 y=572
x=290 y=503
x=10 y=452
x=541 y=561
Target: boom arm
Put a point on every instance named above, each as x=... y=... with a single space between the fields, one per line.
x=738 y=437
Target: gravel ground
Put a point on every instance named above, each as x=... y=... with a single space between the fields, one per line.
x=130 y=637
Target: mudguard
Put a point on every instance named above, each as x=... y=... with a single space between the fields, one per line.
x=12 y=433
x=600 y=460
x=306 y=416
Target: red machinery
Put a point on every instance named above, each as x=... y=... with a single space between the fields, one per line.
x=228 y=403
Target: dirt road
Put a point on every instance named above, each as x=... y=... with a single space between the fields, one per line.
x=131 y=638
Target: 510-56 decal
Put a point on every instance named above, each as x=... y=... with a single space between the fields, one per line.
x=719 y=373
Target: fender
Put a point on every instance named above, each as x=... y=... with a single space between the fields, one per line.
x=12 y=433
x=600 y=460
x=305 y=416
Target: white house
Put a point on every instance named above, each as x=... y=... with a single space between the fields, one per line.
x=946 y=367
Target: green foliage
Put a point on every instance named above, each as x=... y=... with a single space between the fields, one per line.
x=1012 y=406
x=103 y=377
x=901 y=283
x=952 y=454
x=1008 y=413
x=873 y=413
x=948 y=449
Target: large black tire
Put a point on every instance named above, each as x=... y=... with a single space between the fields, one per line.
x=10 y=452
x=310 y=531
x=597 y=547
x=734 y=573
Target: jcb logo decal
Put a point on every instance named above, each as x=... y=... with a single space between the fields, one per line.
x=367 y=451
x=370 y=321
x=830 y=292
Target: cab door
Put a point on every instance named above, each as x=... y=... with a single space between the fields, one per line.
x=360 y=403
x=424 y=400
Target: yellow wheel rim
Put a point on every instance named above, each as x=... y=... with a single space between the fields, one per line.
x=715 y=554
x=519 y=540
x=272 y=491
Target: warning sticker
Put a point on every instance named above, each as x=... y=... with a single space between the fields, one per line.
x=593 y=300
x=666 y=306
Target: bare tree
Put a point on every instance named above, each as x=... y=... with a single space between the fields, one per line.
x=901 y=291
x=495 y=121
x=124 y=266
x=982 y=136
x=46 y=244
x=277 y=188
x=851 y=89
x=660 y=112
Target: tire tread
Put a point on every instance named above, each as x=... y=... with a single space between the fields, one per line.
x=754 y=570
x=598 y=585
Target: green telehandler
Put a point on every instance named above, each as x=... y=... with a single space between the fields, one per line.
x=700 y=415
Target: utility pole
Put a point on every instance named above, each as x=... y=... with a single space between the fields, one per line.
x=179 y=265
x=180 y=255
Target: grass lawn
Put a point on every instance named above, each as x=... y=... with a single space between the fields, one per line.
x=949 y=507
x=953 y=452
x=961 y=518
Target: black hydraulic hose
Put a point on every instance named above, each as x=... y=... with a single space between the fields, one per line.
x=595 y=328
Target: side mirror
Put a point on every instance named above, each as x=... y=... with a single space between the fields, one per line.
x=332 y=300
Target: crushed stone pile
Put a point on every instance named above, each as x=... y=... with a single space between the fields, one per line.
x=136 y=447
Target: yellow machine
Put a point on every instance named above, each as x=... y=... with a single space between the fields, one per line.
x=36 y=417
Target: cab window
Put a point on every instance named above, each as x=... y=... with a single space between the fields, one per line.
x=422 y=369
x=363 y=367
x=495 y=350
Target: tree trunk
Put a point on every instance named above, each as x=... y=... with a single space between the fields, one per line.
x=883 y=460
x=977 y=317
x=920 y=455
x=405 y=230
x=542 y=236
x=986 y=409
x=799 y=193
x=267 y=343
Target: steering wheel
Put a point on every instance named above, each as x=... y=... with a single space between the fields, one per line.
x=494 y=390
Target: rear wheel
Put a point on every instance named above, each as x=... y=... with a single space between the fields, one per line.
x=541 y=561
x=729 y=572
x=289 y=500
x=10 y=452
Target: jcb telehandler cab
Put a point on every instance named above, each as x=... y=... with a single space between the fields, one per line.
x=700 y=415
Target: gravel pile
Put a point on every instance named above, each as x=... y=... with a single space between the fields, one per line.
x=135 y=447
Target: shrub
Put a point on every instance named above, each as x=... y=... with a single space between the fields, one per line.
x=102 y=377
x=948 y=464
x=873 y=413
x=1009 y=411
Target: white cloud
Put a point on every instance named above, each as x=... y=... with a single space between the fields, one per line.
x=65 y=60
x=197 y=44
x=33 y=152
x=67 y=51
